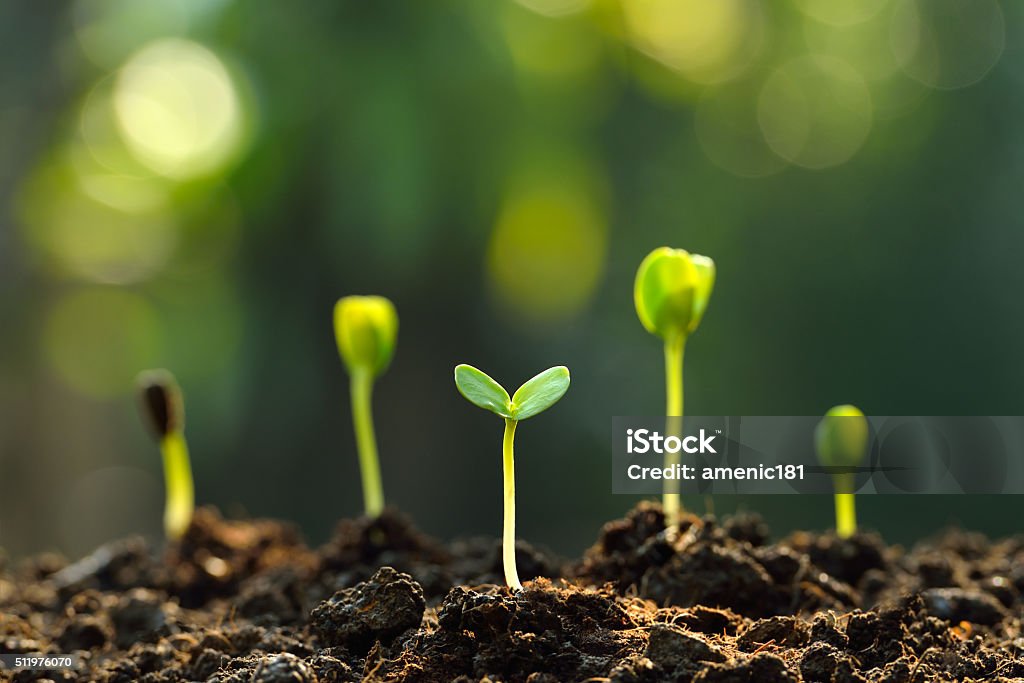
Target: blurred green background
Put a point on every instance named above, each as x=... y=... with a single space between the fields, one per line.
x=193 y=183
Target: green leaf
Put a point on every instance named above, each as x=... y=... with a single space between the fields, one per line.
x=841 y=438
x=479 y=389
x=540 y=393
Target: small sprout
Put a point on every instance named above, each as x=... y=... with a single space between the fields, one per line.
x=164 y=411
x=841 y=439
x=366 y=328
x=535 y=396
x=671 y=293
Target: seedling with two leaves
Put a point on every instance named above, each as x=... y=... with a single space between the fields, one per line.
x=535 y=396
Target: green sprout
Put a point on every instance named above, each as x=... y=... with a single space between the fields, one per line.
x=164 y=410
x=841 y=440
x=366 y=328
x=671 y=293
x=535 y=396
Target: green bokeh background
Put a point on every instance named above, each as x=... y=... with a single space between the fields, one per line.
x=192 y=184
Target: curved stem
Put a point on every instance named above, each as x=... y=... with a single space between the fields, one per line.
x=508 y=536
x=846 y=508
x=366 y=442
x=180 y=501
x=674 y=349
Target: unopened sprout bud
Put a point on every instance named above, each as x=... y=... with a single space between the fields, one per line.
x=535 y=396
x=841 y=440
x=671 y=294
x=164 y=412
x=665 y=292
x=366 y=330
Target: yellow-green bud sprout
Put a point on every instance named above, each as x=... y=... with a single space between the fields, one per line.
x=366 y=329
x=671 y=294
x=164 y=411
x=535 y=396
x=841 y=440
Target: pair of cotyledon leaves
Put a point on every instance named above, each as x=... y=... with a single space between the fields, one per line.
x=535 y=396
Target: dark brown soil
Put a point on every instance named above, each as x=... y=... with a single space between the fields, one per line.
x=247 y=601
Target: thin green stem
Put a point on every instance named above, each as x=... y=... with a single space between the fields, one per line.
x=180 y=501
x=674 y=349
x=846 y=507
x=366 y=442
x=508 y=536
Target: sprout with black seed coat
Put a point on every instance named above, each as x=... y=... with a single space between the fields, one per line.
x=163 y=409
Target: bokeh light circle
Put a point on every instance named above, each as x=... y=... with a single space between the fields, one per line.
x=97 y=339
x=948 y=44
x=561 y=49
x=109 y=30
x=841 y=12
x=815 y=111
x=178 y=109
x=708 y=42
x=547 y=252
x=78 y=218
x=100 y=134
x=555 y=8
x=864 y=46
x=727 y=128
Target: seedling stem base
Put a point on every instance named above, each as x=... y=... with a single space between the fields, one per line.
x=366 y=442
x=178 y=478
x=508 y=537
x=846 y=514
x=674 y=351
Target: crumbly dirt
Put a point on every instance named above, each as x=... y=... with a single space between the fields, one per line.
x=249 y=602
